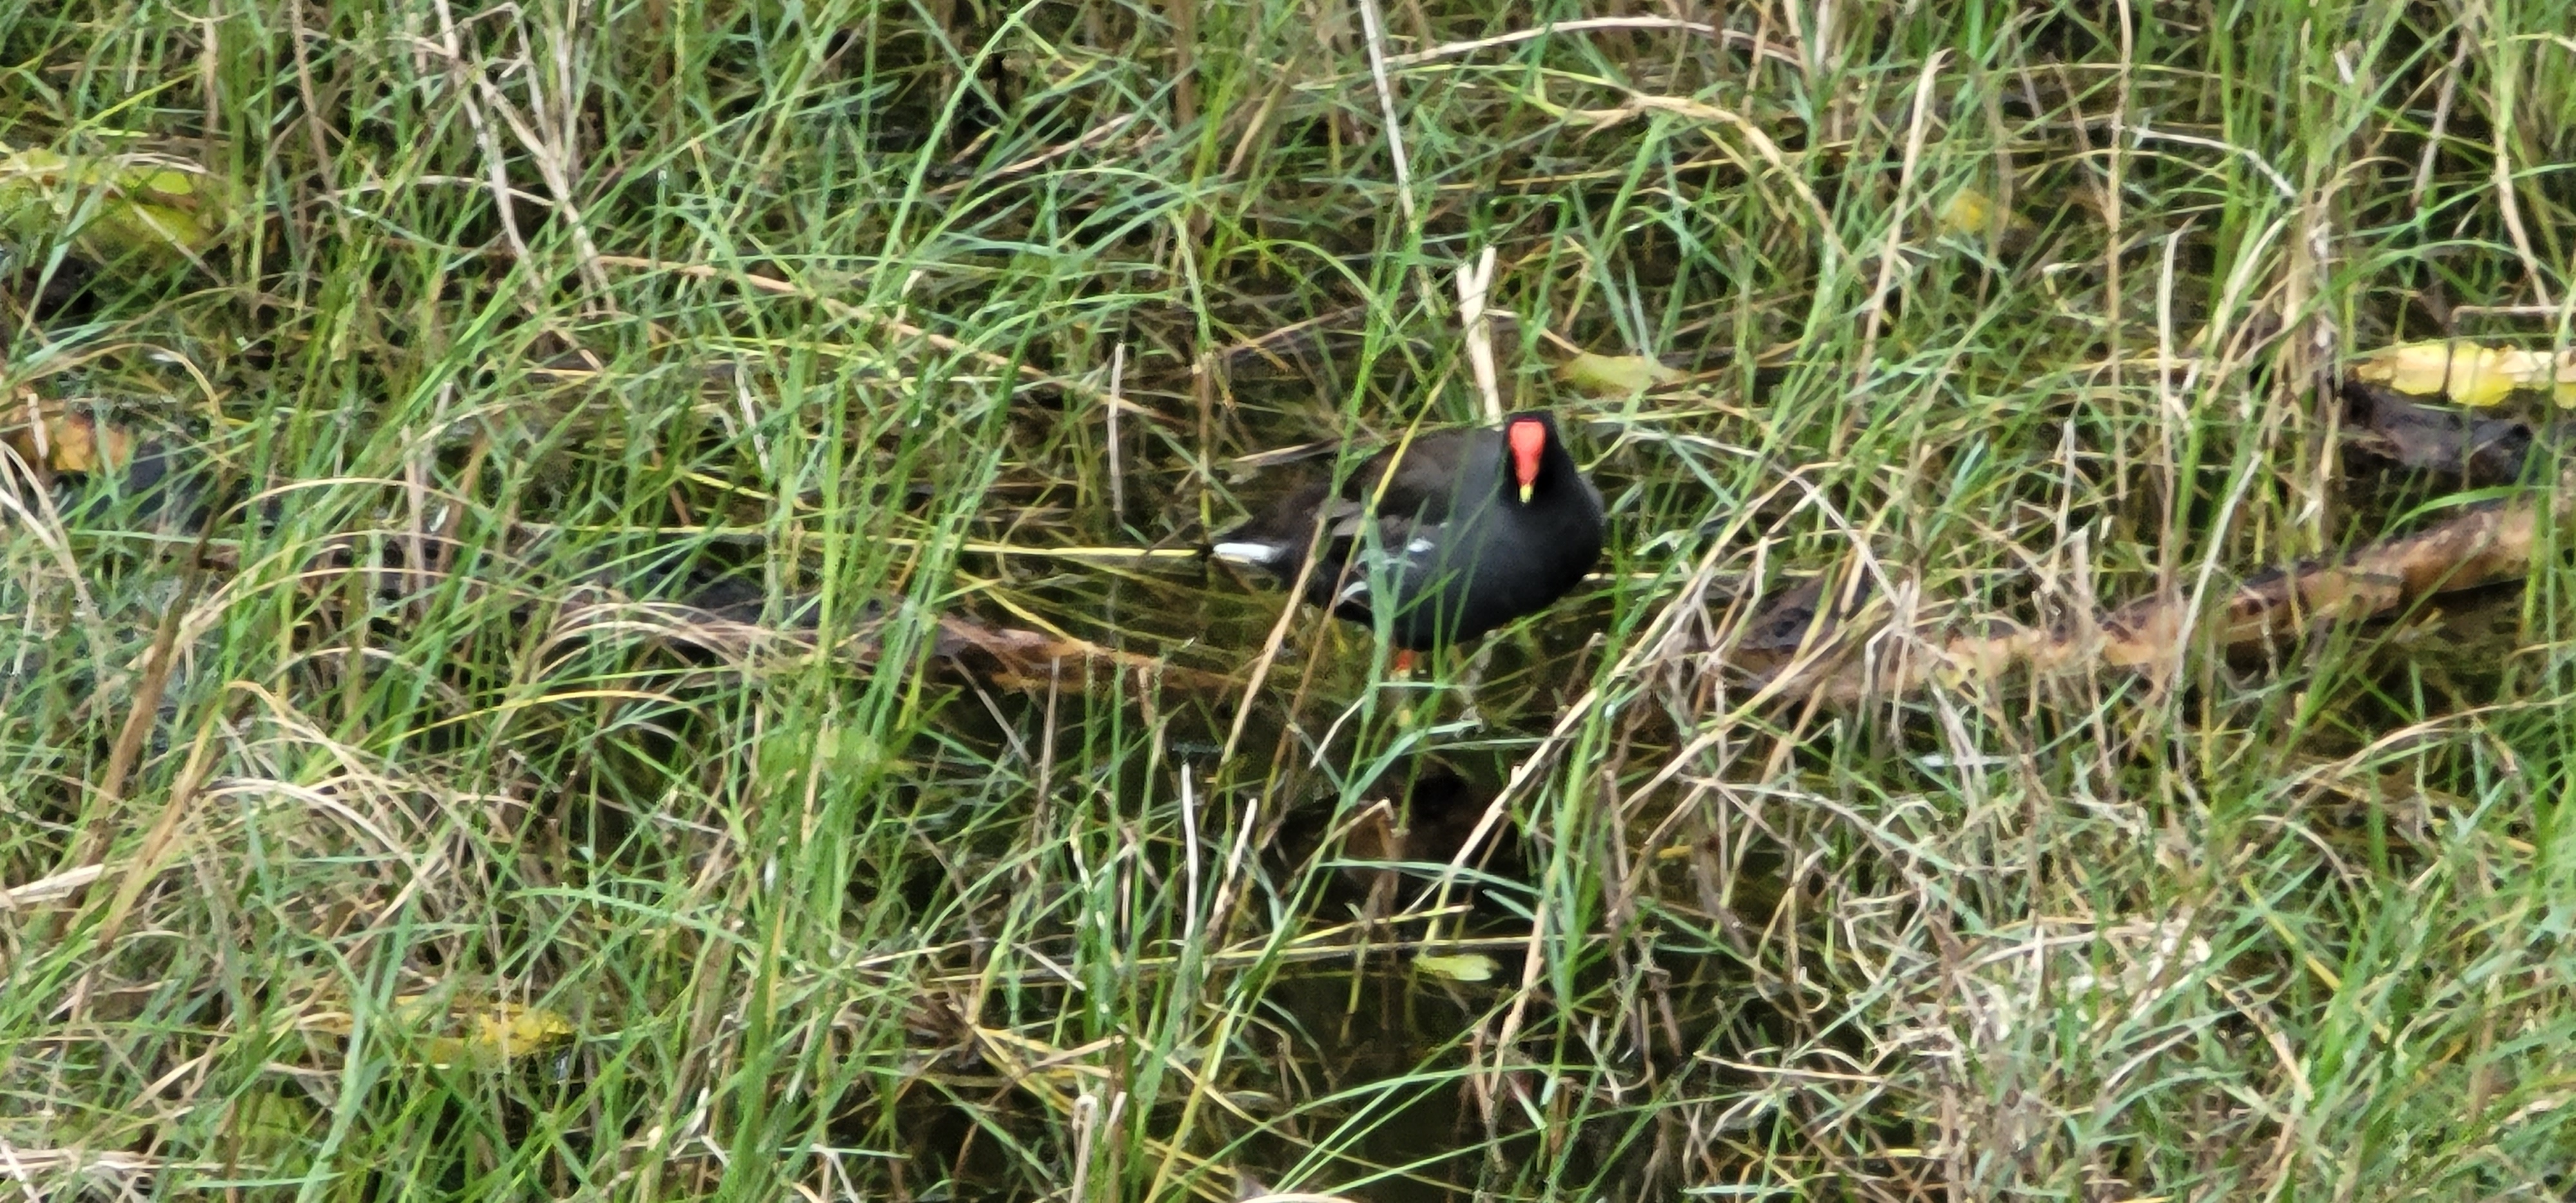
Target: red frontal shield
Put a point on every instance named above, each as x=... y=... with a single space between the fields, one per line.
x=1528 y=437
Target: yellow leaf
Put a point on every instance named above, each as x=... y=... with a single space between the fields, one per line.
x=1970 y=213
x=111 y=206
x=494 y=1032
x=34 y=161
x=1615 y=375
x=168 y=186
x=1463 y=967
x=2469 y=373
x=51 y=435
x=128 y=224
x=452 y=1031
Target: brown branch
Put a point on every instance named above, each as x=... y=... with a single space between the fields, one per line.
x=2487 y=544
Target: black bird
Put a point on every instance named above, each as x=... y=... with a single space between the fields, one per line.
x=1468 y=529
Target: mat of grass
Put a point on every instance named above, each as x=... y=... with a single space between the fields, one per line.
x=365 y=834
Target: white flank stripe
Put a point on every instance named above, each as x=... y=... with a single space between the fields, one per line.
x=1259 y=555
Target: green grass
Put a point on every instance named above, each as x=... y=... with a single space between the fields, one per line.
x=850 y=281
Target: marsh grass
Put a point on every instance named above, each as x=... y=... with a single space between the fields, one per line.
x=2017 y=308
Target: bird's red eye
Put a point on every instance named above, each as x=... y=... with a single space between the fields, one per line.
x=1528 y=437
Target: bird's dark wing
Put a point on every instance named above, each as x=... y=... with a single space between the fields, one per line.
x=1420 y=477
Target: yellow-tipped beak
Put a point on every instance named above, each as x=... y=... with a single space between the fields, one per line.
x=1526 y=490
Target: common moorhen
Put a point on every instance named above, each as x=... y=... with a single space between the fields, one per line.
x=1472 y=529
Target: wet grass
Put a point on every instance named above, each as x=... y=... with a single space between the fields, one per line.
x=529 y=317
